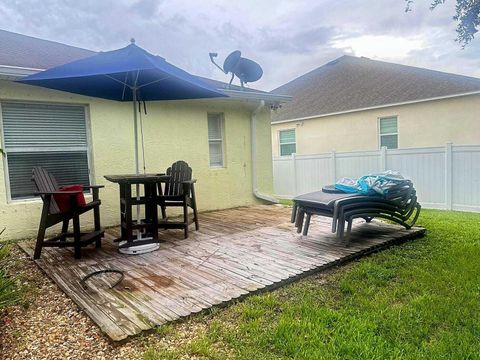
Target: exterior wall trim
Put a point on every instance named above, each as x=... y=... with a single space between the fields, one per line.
x=377 y=107
x=10 y=72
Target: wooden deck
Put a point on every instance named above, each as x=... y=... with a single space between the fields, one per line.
x=235 y=253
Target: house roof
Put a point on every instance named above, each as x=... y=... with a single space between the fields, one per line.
x=349 y=83
x=23 y=55
x=33 y=53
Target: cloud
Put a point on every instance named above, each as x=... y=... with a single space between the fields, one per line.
x=288 y=38
x=145 y=8
x=380 y=46
x=304 y=41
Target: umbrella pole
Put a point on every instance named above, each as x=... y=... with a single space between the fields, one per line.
x=137 y=164
x=135 y=249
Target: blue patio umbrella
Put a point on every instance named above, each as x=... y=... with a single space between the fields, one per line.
x=127 y=74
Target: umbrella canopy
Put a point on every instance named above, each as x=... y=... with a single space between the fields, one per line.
x=115 y=74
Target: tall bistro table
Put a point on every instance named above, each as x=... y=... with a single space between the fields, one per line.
x=149 y=225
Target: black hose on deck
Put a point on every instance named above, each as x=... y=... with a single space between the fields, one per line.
x=86 y=277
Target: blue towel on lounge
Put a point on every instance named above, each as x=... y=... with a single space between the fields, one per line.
x=373 y=184
x=347 y=185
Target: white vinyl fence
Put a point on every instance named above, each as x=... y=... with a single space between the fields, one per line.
x=446 y=177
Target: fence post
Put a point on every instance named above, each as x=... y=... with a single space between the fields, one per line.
x=333 y=167
x=383 y=158
x=294 y=169
x=448 y=176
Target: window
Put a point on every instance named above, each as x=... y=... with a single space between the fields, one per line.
x=215 y=140
x=287 y=142
x=48 y=135
x=389 y=132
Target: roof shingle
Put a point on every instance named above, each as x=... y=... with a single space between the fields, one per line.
x=350 y=83
x=29 y=52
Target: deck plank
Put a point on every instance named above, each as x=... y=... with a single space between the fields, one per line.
x=236 y=252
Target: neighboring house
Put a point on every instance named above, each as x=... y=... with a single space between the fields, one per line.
x=85 y=138
x=353 y=104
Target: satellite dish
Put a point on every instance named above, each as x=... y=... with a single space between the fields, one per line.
x=245 y=69
x=231 y=61
x=248 y=70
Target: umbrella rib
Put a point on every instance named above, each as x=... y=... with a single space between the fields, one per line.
x=153 y=82
x=124 y=86
x=119 y=81
x=136 y=79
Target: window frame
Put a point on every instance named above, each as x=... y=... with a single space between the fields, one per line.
x=221 y=116
x=379 y=120
x=280 y=143
x=91 y=172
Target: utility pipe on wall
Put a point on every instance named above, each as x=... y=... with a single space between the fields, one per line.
x=253 y=129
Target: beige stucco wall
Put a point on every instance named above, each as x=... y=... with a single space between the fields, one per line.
x=423 y=124
x=173 y=130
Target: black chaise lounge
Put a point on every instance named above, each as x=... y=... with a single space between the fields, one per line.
x=399 y=205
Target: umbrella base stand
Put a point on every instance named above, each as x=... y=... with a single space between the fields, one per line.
x=133 y=249
x=141 y=245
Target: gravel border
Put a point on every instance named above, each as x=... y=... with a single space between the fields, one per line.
x=50 y=325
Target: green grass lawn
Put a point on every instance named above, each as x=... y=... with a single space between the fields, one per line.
x=417 y=300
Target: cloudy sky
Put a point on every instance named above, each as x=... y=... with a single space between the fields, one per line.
x=288 y=38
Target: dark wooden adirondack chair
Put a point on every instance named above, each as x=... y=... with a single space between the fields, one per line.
x=47 y=188
x=179 y=191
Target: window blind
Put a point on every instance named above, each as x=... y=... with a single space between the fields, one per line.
x=287 y=142
x=215 y=140
x=48 y=135
x=388 y=125
x=389 y=132
x=390 y=141
x=287 y=136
